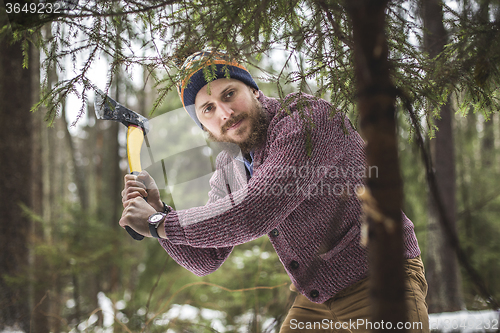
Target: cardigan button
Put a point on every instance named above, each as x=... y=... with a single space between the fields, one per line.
x=294 y=264
x=314 y=293
x=275 y=232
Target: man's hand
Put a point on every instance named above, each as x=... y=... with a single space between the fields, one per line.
x=136 y=214
x=136 y=209
x=142 y=185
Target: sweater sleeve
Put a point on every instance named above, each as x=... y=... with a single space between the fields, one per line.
x=273 y=192
x=200 y=261
x=197 y=260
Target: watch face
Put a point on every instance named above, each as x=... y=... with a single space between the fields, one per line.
x=156 y=218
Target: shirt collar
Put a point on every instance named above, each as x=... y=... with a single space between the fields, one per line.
x=248 y=164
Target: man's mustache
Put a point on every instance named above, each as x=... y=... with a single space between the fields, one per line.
x=232 y=121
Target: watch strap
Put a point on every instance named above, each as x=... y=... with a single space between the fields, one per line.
x=153 y=230
x=166 y=209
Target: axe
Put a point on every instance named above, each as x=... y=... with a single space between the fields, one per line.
x=108 y=109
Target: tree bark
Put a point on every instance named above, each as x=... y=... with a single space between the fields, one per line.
x=376 y=104
x=442 y=266
x=79 y=170
x=488 y=152
x=41 y=280
x=16 y=184
x=466 y=134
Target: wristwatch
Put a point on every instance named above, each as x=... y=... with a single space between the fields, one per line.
x=154 y=221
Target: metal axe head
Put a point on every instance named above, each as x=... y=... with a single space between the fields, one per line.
x=109 y=109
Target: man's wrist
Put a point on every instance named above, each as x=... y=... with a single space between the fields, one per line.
x=160 y=207
x=161 y=230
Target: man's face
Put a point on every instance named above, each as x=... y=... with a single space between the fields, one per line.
x=230 y=112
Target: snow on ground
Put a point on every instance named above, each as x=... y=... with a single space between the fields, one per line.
x=461 y=321
x=11 y=329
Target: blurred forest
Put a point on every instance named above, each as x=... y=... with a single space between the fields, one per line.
x=67 y=266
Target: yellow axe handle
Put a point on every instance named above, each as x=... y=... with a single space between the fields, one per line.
x=135 y=138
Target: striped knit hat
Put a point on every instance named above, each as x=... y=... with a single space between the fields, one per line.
x=203 y=67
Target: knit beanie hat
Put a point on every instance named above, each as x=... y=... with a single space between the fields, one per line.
x=203 y=67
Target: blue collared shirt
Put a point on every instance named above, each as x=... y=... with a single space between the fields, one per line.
x=248 y=164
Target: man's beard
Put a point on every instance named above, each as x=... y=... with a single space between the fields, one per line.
x=256 y=138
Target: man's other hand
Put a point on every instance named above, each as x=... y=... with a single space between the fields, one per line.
x=142 y=185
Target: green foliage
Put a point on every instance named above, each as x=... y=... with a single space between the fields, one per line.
x=315 y=34
x=252 y=278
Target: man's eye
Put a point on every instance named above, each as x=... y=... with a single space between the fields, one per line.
x=208 y=109
x=230 y=94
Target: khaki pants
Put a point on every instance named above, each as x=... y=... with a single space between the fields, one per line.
x=349 y=310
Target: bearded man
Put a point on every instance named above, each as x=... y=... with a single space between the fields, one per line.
x=293 y=177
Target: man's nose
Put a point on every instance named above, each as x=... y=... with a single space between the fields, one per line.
x=225 y=111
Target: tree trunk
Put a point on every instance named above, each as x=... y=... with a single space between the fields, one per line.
x=466 y=134
x=79 y=170
x=488 y=142
x=41 y=280
x=16 y=184
x=376 y=106
x=488 y=146
x=441 y=264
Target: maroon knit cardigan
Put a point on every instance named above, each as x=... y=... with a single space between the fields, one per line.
x=302 y=195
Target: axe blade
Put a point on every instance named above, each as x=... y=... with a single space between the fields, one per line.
x=108 y=109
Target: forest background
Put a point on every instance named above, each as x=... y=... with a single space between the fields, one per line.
x=66 y=265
